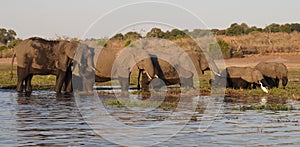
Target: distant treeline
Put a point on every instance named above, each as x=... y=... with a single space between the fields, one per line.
x=236 y=29
x=235 y=41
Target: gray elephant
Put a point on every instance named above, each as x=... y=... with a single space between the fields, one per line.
x=83 y=71
x=242 y=77
x=180 y=73
x=273 y=72
x=116 y=64
x=38 y=56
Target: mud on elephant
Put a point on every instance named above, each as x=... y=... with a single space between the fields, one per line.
x=38 y=56
x=273 y=72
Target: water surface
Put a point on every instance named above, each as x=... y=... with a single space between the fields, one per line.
x=43 y=118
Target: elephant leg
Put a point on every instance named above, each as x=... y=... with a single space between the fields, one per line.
x=284 y=82
x=60 y=79
x=28 y=86
x=68 y=81
x=21 y=72
x=145 y=82
x=139 y=76
x=124 y=82
x=277 y=82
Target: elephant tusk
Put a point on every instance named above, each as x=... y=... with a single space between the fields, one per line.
x=155 y=76
x=93 y=68
x=216 y=73
x=148 y=75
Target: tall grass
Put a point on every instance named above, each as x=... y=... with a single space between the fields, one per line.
x=261 y=43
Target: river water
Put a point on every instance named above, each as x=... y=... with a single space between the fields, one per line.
x=43 y=118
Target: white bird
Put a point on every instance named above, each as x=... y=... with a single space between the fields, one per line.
x=263 y=88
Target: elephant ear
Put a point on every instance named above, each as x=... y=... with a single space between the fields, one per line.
x=281 y=70
x=257 y=76
x=71 y=48
x=244 y=73
x=121 y=66
x=267 y=69
x=197 y=61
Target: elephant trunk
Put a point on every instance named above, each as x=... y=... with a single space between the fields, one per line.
x=284 y=81
x=148 y=68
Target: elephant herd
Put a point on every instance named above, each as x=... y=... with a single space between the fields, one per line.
x=263 y=74
x=73 y=60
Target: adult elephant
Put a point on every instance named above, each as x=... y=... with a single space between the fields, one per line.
x=242 y=77
x=181 y=73
x=38 y=56
x=117 y=64
x=273 y=72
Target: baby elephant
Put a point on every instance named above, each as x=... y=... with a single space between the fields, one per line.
x=242 y=77
x=273 y=72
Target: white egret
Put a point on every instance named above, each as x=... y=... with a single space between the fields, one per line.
x=263 y=88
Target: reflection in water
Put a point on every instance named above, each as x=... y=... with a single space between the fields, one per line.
x=43 y=118
x=48 y=119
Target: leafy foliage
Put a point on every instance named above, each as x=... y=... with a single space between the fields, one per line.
x=225 y=49
x=7 y=36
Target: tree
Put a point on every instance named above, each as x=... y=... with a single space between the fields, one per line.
x=295 y=27
x=6 y=36
x=235 y=30
x=156 y=33
x=175 y=34
x=272 y=28
x=118 y=36
x=132 y=36
x=285 y=28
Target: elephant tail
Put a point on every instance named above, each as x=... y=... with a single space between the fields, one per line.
x=12 y=66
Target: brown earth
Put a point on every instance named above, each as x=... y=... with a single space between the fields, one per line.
x=290 y=60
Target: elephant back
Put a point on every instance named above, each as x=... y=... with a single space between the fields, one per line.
x=36 y=52
x=248 y=74
x=272 y=69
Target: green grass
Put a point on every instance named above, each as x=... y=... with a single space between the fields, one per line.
x=38 y=82
x=142 y=104
x=47 y=82
x=271 y=107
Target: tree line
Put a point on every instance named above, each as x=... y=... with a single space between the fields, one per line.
x=236 y=29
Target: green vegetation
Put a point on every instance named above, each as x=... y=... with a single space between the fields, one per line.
x=7 y=41
x=38 y=82
x=225 y=49
x=272 y=107
x=142 y=104
x=236 y=29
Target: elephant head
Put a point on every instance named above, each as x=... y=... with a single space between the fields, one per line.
x=203 y=62
x=128 y=58
x=273 y=72
x=83 y=69
x=123 y=64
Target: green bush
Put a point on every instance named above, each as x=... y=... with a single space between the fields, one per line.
x=237 y=54
x=225 y=49
x=127 y=43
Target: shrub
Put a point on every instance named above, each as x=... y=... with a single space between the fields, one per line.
x=237 y=54
x=225 y=49
x=127 y=43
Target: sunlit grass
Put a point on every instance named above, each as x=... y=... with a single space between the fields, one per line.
x=271 y=107
x=48 y=82
x=142 y=104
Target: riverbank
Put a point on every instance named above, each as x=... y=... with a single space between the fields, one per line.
x=292 y=61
